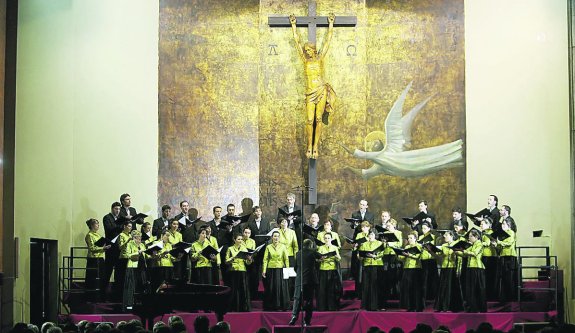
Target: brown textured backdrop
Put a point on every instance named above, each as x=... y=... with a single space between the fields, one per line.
x=231 y=102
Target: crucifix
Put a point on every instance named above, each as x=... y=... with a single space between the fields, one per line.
x=320 y=96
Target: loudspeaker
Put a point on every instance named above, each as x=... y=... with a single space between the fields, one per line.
x=297 y=329
x=43 y=280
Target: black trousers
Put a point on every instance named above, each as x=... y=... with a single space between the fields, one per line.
x=94 y=282
x=306 y=301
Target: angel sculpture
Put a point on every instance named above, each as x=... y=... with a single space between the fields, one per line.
x=395 y=159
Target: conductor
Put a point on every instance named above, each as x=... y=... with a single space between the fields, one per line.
x=306 y=282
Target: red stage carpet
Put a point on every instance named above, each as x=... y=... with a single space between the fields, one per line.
x=351 y=321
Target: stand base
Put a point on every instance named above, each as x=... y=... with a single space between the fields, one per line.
x=297 y=329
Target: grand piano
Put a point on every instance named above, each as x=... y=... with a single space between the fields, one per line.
x=187 y=297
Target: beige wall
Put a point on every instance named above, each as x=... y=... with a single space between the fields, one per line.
x=87 y=116
x=518 y=116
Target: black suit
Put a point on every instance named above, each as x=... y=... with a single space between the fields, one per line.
x=495 y=217
x=262 y=230
x=463 y=222
x=307 y=277
x=158 y=226
x=433 y=223
x=368 y=216
x=355 y=265
x=124 y=212
x=181 y=267
x=111 y=230
x=255 y=270
x=285 y=208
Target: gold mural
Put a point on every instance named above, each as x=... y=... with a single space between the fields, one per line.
x=232 y=107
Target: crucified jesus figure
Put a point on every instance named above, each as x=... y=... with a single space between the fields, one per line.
x=319 y=95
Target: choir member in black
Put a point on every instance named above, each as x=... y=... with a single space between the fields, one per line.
x=330 y=288
x=313 y=222
x=276 y=296
x=411 y=297
x=219 y=231
x=507 y=264
x=475 y=277
x=162 y=223
x=306 y=282
x=505 y=213
x=181 y=267
x=127 y=210
x=136 y=280
x=372 y=270
x=449 y=294
x=95 y=266
x=456 y=213
x=428 y=264
x=259 y=227
x=422 y=206
x=239 y=281
x=490 y=260
x=290 y=207
x=494 y=212
x=363 y=213
x=237 y=225
x=203 y=264
x=112 y=229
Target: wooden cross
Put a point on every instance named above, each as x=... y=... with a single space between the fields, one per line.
x=312 y=22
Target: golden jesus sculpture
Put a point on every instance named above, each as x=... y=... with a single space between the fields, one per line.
x=319 y=95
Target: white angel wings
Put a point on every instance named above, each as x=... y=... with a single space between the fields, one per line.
x=395 y=160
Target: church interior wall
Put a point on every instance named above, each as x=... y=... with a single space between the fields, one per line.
x=87 y=118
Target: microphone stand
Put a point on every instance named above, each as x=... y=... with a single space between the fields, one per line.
x=301 y=189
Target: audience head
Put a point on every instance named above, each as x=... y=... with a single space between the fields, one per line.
x=174 y=319
x=54 y=329
x=423 y=328
x=46 y=326
x=178 y=327
x=484 y=327
x=443 y=328
x=396 y=330
x=157 y=326
x=374 y=329
x=34 y=328
x=221 y=327
x=106 y=327
x=262 y=330
x=201 y=324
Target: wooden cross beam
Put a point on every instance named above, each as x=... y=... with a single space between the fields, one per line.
x=312 y=21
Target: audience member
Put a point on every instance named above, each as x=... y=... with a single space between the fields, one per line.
x=54 y=329
x=201 y=324
x=44 y=328
x=262 y=330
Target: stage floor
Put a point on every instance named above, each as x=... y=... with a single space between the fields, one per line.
x=350 y=321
